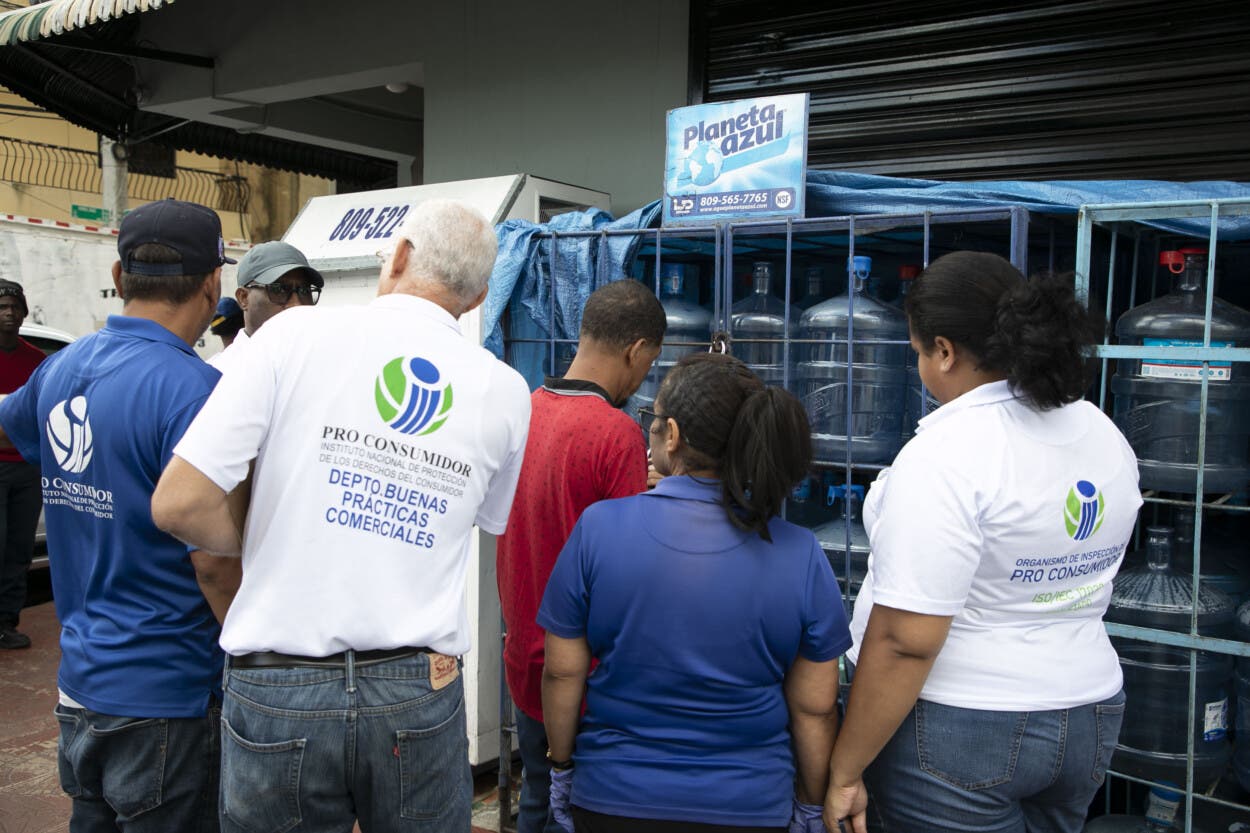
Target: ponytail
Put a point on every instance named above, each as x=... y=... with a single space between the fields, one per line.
x=756 y=438
x=1040 y=341
x=769 y=451
x=1034 y=332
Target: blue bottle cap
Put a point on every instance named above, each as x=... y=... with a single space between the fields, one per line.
x=861 y=265
x=671 y=275
x=841 y=490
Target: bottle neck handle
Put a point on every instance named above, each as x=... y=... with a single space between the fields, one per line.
x=1159 y=554
x=1193 y=279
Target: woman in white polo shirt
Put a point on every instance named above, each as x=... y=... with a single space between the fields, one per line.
x=986 y=695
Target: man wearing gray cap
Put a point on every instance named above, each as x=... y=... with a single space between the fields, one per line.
x=273 y=276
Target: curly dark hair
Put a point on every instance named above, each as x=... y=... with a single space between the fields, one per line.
x=1035 y=332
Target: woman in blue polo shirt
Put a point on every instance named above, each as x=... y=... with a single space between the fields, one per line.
x=716 y=625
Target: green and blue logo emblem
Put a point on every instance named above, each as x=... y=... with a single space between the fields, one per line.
x=410 y=398
x=1083 y=511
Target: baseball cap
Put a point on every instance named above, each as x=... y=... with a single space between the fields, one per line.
x=266 y=262
x=186 y=227
x=227 y=309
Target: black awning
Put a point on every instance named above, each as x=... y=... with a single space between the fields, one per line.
x=55 y=17
x=85 y=76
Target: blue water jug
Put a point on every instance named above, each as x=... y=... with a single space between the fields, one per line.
x=867 y=378
x=686 y=331
x=760 y=323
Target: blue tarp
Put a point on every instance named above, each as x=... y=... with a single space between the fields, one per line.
x=522 y=276
x=522 y=280
x=833 y=193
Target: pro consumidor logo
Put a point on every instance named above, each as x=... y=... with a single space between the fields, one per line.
x=410 y=398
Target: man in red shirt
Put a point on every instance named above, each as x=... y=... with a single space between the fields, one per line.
x=21 y=497
x=581 y=449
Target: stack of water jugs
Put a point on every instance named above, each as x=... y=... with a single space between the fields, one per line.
x=1157 y=406
x=849 y=364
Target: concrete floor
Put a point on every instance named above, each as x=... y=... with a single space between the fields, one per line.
x=31 y=800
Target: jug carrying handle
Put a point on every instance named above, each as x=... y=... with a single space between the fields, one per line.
x=1174 y=260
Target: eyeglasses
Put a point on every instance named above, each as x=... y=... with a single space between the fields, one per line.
x=647 y=418
x=280 y=293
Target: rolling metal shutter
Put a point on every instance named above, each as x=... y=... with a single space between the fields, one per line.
x=1103 y=89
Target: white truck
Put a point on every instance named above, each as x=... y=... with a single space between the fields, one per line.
x=65 y=270
x=66 y=273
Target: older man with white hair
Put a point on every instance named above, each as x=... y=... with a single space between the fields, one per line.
x=380 y=437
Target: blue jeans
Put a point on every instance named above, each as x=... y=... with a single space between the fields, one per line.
x=139 y=775
x=953 y=769
x=534 y=814
x=314 y=749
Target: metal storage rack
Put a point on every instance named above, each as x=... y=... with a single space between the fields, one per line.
x=559 y=257
x=1105 y=247
x=1029 y=240
x=1125 y=269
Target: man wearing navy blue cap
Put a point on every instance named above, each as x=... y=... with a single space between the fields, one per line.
x=227 y=322
x=139 y=682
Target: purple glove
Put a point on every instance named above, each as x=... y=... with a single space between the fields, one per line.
x=561 y=792
x=804 y=818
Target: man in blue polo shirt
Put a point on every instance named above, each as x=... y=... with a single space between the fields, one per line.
x=140 y=673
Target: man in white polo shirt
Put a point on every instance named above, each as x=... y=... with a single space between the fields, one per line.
x=376 y=451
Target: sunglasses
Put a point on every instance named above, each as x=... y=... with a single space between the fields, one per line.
x=280 y=293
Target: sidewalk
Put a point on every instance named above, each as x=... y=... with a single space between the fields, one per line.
x=31 y=800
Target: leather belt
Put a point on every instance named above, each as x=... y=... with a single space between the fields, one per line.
x=272 y=659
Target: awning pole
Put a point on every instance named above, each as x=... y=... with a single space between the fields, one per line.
x=113 y=180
